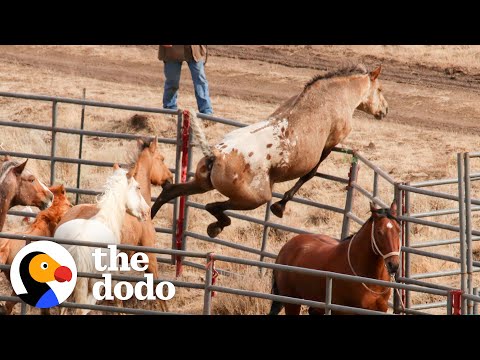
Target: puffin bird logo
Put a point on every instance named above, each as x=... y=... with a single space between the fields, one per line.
x=43 y=274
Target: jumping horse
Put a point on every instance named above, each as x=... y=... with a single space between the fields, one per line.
x=372 y=252
x=290 y=144
x=18 y=186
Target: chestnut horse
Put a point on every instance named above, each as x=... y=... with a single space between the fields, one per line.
x=44 y=225
x=290 y=144
x=18 y=186
x=372 y=252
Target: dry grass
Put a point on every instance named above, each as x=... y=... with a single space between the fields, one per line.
x=406 y=152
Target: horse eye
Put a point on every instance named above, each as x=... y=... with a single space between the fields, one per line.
x=44 y=265
x=32 y=180
x=138 y=187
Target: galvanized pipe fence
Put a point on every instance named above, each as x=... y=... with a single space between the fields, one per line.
x=180 y=232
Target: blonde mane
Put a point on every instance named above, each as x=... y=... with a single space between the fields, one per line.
x=112 y=203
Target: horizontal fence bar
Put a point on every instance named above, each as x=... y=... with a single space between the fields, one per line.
x=429 y=305
x=437 y=194
x=80 y=131
x=88 y=103
x=430 y=223
x=358 y=279
x=370 y=196
x=146 y=249
x=441 y=273
x=230 y=244
x=423 y=283
x=375 y=168
x=439 y=242
x=440 y=212
x=355 y=218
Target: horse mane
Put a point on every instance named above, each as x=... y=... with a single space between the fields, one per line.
x=348 y=70
x=383 y=212
x=132 y=156
x=6 y=167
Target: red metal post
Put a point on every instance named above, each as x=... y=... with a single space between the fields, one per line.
x=183 y=178
x=456 y=302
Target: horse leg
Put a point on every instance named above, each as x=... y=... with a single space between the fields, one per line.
x=279 y=207
x=292 y=309
x=217 y=209
x=315 y=311
x=199 y=185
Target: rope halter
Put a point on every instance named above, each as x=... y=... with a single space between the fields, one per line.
x=376 y=250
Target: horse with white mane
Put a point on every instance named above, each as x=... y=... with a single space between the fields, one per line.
x=122 y=194
x=290 y=144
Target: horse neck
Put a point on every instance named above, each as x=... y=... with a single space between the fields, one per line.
x=143 y=178
x=364 y=261
x=40 y=227
x=6 y=198
x=112 y=212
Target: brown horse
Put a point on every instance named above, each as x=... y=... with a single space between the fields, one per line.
x=290 y=144
x=148 y=168
x=44 y=225
x=18 y=186
x=372 y=252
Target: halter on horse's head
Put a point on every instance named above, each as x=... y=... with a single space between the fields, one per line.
x=385 y=235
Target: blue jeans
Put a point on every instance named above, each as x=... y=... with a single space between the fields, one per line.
x=172 y=71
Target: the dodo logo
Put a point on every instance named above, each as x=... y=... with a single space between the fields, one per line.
x=43 y=274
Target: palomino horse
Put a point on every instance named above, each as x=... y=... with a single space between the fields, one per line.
x=122 y=194
x=44 y=225
x=291 y=143
x=18 y=186
x=148 y=168
x=372 y=252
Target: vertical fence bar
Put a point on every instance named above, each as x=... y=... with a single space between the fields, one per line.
x=461 y=218
x=80 y=146
x=399 y=202
x=207 y=296
x=449 y=303
x=183 y=178
x=54 y=142
x=407 y=244
x=265 y=232
x=468 y=231
x=375 y=184
x=328 y=296
x=475 y=303
x=352 y=178
x=23 y=308
x=186 y=210
x=178 y=172
x=402 y=254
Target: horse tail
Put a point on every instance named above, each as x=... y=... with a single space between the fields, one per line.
x=199 y=134
x=276 y=305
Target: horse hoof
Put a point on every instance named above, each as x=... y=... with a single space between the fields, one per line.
x=213 y=230
x=277 y=209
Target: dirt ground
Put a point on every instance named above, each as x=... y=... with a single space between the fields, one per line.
x=433 y=94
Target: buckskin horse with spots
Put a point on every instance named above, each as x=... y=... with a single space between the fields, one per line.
x=372 y=252
x=290 y=144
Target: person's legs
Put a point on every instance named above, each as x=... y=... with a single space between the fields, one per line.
x=172 y=71
x=200 y=84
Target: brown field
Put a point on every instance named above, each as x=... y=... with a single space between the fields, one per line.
x=433 y=94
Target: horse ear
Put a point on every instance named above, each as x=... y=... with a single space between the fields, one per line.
x=374 y=74
x=153 y=145
x=116 y=166
x=373 y=208
x=140 y=143
x=393 y=208
x=62 y=189
x=19 y=168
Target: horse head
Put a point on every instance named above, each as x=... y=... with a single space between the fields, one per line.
x=374 y=103
x=136 y=204
x=29 y=189
x=385 y=236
